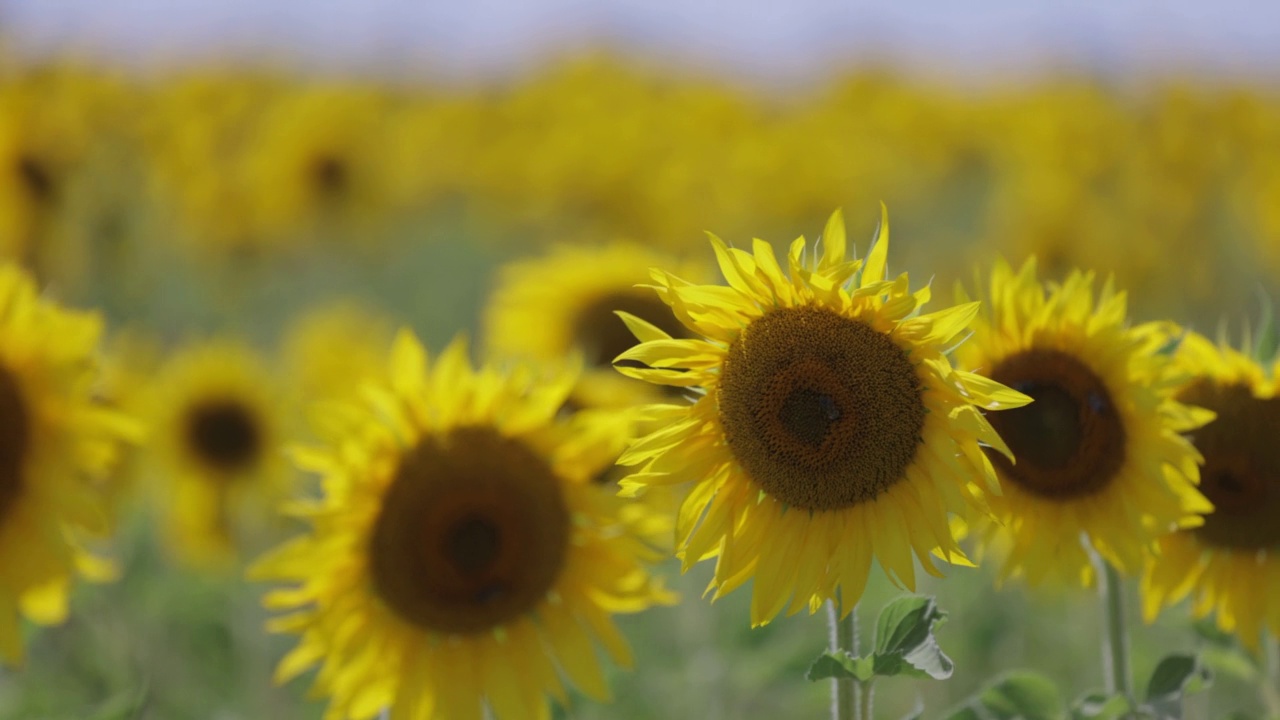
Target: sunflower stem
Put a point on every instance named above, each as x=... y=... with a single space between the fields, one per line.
x=1115 y=651
x=866 y=697
x=1270 y=688
x=843 y=637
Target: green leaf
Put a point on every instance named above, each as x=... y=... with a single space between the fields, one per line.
x=905 y=644
x=1018 y=695
x=840 y=664
x=1208 y=630
x=1174 y=678
x=1177 y=675
x=1097 y=706
x=1230 y=662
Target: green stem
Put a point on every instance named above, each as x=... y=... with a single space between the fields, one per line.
x=843 y=638
x=1115 y=653
x=1270 y=688
x=866 y=698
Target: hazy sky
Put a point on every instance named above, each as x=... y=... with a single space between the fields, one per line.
x=769 y=38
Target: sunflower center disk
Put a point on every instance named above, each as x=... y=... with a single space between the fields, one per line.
x=1070 y=442
x=472 y=534
x=36 y=179
x=225 y=435
x=15 y=438
x=1241 y=473
x=820 y=410
x=603 y=336
x=331 y=175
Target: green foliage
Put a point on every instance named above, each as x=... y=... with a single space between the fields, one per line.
x=905 y=645
x=1100 y=706
x=1176 y=677
x=1018 y=695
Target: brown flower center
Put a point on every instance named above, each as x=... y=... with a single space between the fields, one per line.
x=603 y=336
x=15 y=440
x=1241 y=473
x=472 y=534
x=820 y=410
x=331 y=175
x=225 y=435
x=1070 y=442
x=36 y=178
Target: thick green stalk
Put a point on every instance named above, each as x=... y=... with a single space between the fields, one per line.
x=843 y=638
x=1115 y=647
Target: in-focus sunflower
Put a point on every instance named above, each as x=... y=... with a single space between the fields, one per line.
x=56 y=446
x=1231 y=563
x=460 y=557
x=217 y=427
x=831 y=429
x=1099 y=454
x=567 y=301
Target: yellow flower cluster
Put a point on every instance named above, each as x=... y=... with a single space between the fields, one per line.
x=1068 y=169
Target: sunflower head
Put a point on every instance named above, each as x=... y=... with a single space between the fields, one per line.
x=217 y=423
x=1099 y=455
x=57 y=448
x=828 y=426
x=1231 y=564
x=568 y=302
x=460 y=528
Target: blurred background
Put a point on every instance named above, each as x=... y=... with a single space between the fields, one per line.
x=204 y=170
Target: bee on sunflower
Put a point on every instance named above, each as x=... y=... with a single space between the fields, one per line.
x=460 y=559
x=829 y=426
x=57 y=447
x=217 y=427
x=1101 y=461
x=1231 y=564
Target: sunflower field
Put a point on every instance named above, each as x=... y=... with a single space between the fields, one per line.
x=611 y=390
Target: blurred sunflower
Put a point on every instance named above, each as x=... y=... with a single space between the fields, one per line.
x=1230 y=564
x=316 y=163
x=56 y=447
x=217 y=426
x=460 y=557
x=44 y=135
x=330 y=349
x=1099 y=454
x=832 y=428
x=192 y=134
x=567 y=301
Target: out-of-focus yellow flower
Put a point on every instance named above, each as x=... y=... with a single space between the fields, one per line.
x=1098 y=456
x=1231 y=564
x=217 y=422
x=57 y=445
x=548 y=307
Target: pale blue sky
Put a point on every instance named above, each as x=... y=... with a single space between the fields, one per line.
x=765 y=38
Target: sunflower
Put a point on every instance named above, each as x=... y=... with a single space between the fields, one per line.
x=460 y=557
x=567 y=301
x=1231 y=563
x=217 y=426
x=56 y=448
x=1099 y=454
x=830 y=427
x=331 y=348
